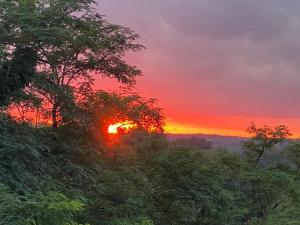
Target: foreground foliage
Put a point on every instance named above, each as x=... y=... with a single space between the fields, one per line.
x=49 y=179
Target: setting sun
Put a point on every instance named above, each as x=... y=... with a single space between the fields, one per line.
x=113 y=128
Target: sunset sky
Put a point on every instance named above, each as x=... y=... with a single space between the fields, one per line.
x=216 y=65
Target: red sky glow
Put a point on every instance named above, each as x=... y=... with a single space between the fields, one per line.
x=215 y=66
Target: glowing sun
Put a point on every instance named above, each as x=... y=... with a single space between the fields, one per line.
x=113 y=128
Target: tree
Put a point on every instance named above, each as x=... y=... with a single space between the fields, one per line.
x=72 y=42
x=266 y=190
x=292 y=151
x=264 y=139
x=16 y=73
x=102 y=109
x=51 y=208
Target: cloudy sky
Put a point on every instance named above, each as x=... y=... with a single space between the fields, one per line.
x=217 y=65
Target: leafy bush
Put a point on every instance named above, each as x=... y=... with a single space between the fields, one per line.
x=51 y=208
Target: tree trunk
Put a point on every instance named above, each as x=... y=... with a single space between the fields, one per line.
x=54 y=116
x=260 y=155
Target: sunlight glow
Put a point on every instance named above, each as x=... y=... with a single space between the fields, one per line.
x=187 y=128
x=177 y=128
x=114 y=128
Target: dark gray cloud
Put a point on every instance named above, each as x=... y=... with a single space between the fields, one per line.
x=229 y=18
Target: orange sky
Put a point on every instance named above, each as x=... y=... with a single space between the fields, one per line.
x=236 y=129
x=214 y=68
x=185 y=121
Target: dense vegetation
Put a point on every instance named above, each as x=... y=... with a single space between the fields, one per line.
x=47 y=178
x=74 y=172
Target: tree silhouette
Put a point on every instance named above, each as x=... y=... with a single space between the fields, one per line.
x=73 y=43
x=264 y=139
x=16 y=73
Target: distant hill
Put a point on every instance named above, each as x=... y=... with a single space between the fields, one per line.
x=231 y=143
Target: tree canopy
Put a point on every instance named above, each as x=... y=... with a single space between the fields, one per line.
x=264 y=139
x=72 y=43
x=16 y=73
